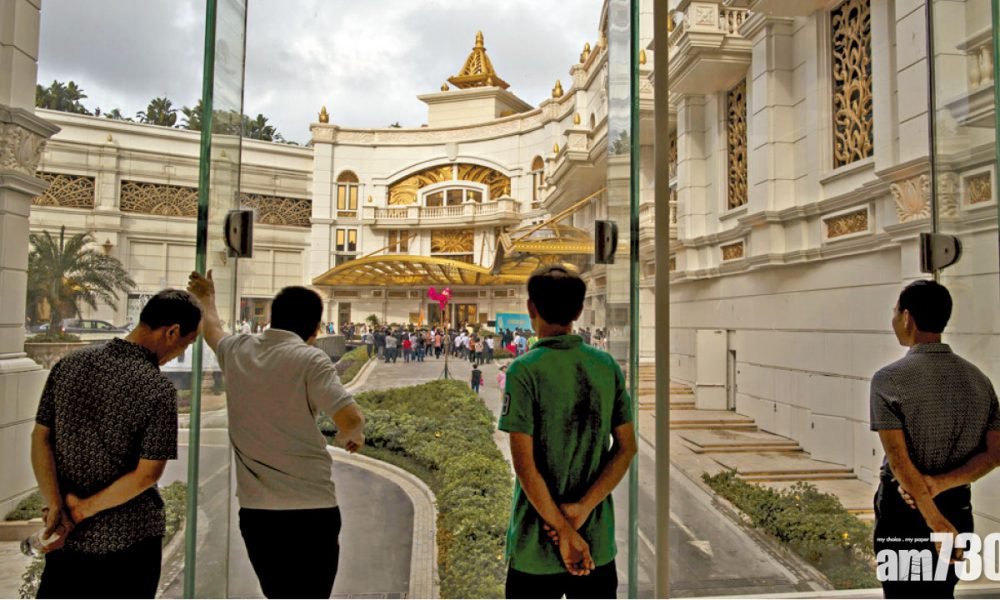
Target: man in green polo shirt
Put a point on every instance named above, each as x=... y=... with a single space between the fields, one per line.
x=563 y=403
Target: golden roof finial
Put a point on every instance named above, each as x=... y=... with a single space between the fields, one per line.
x=557 y=91
x=444 y=87
x=576 y=119
x=478 y=70
x=586 y=53
x=324 y=117
x=555 y=149
x=642 y=56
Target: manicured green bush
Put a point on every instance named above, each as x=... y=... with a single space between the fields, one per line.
x=28 y=508
x=499 y=352
x=350 y=364
x=53 y=338
x=443 y=433
x=814 y=525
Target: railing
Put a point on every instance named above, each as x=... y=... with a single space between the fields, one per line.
x=701 y=16
x=730 y=19
x=469 y=210
x=979 y=55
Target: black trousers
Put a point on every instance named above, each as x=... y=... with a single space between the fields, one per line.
x=293 y=552
x=601 y=583
x=895 y=521
x=130 y=573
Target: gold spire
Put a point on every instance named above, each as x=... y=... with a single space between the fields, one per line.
x=557 y=91
x=444 y=87
x=555 y=148
x=642 y=56
x=586 y=53
x=478 y=70
x=324 y=117
x=576 y=119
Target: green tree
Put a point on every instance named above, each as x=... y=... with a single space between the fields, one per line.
x=116 y=115
x=64 y=274
x=61 y=97
x=258 y=129
x=192 y=116
x=160 y=111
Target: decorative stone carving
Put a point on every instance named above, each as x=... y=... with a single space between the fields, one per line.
x=846 y=224
x=913 y=199
x=736 y=104
x=706 y=16
x=274 y=210
x=978 y=188
x=20 y=149
x=853 y=112
x=947 y=194
x=732 y=251
x=159 y=199
x=67 y=191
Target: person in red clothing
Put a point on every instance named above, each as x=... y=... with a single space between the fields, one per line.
x=407 y=348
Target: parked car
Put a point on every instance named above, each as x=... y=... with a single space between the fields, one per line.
x=90 y=326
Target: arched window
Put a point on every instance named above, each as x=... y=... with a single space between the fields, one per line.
x=347 y=194
x=537 y=179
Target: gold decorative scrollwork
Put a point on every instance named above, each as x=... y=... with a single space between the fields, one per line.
x=736 y=103
x=159 y=199
x=978 y=188
x=406 y=191
x=846 y=224
x=732 y=251
x=67 y=191
x=450 y=241
x=853 y=112
x=498 y=183
x=275 y=210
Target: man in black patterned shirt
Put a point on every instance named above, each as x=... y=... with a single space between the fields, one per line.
x=938 y=420
x=105 y=428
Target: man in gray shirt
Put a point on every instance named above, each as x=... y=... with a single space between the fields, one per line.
x=276 y=384
x=939 y=423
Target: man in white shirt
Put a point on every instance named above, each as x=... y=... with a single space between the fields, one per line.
x=276 y=384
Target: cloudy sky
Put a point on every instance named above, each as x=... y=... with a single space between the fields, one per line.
x=366 y=60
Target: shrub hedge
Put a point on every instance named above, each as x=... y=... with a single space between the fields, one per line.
x=446 y=432
x=28 y=508
x=350 y=364
x=815 y=525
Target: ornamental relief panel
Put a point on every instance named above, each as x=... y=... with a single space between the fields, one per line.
x=159 y=199
x=852 y=82
x=732 y=251
x=20 y=149
x=978 y=188
x=446 y=241
x=736 y=103
x=497 y=182
x=947 y=193
x=274 y=210
x=67 y=191
x=913 y=198
x=847 y=224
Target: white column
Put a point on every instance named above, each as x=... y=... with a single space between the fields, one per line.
x=22 y=136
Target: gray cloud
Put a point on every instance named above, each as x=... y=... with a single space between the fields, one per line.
x=366 y=61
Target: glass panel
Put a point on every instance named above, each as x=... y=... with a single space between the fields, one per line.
x=354 y=197
x=616 y=318
x=208 y=528
x=965 y=196
x=454 y=197
x=474 y=196
x=341 y=197
x=435 y=199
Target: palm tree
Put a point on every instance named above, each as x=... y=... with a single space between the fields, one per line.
x=116 y=115
x=159 y=112
x=192 y=116
x=62 y=97
x=258 y=129
x=63 y=274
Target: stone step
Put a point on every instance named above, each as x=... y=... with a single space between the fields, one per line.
x=723 y=441
x=682 y=406
x=781 y=466
x=717 y=425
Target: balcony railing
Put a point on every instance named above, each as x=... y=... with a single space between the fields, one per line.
x=496 y=212
x=707 y=52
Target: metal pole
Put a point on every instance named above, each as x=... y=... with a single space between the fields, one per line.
x=661 y=146
x=201 y=250
x=635 y=162
x=996 y=86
